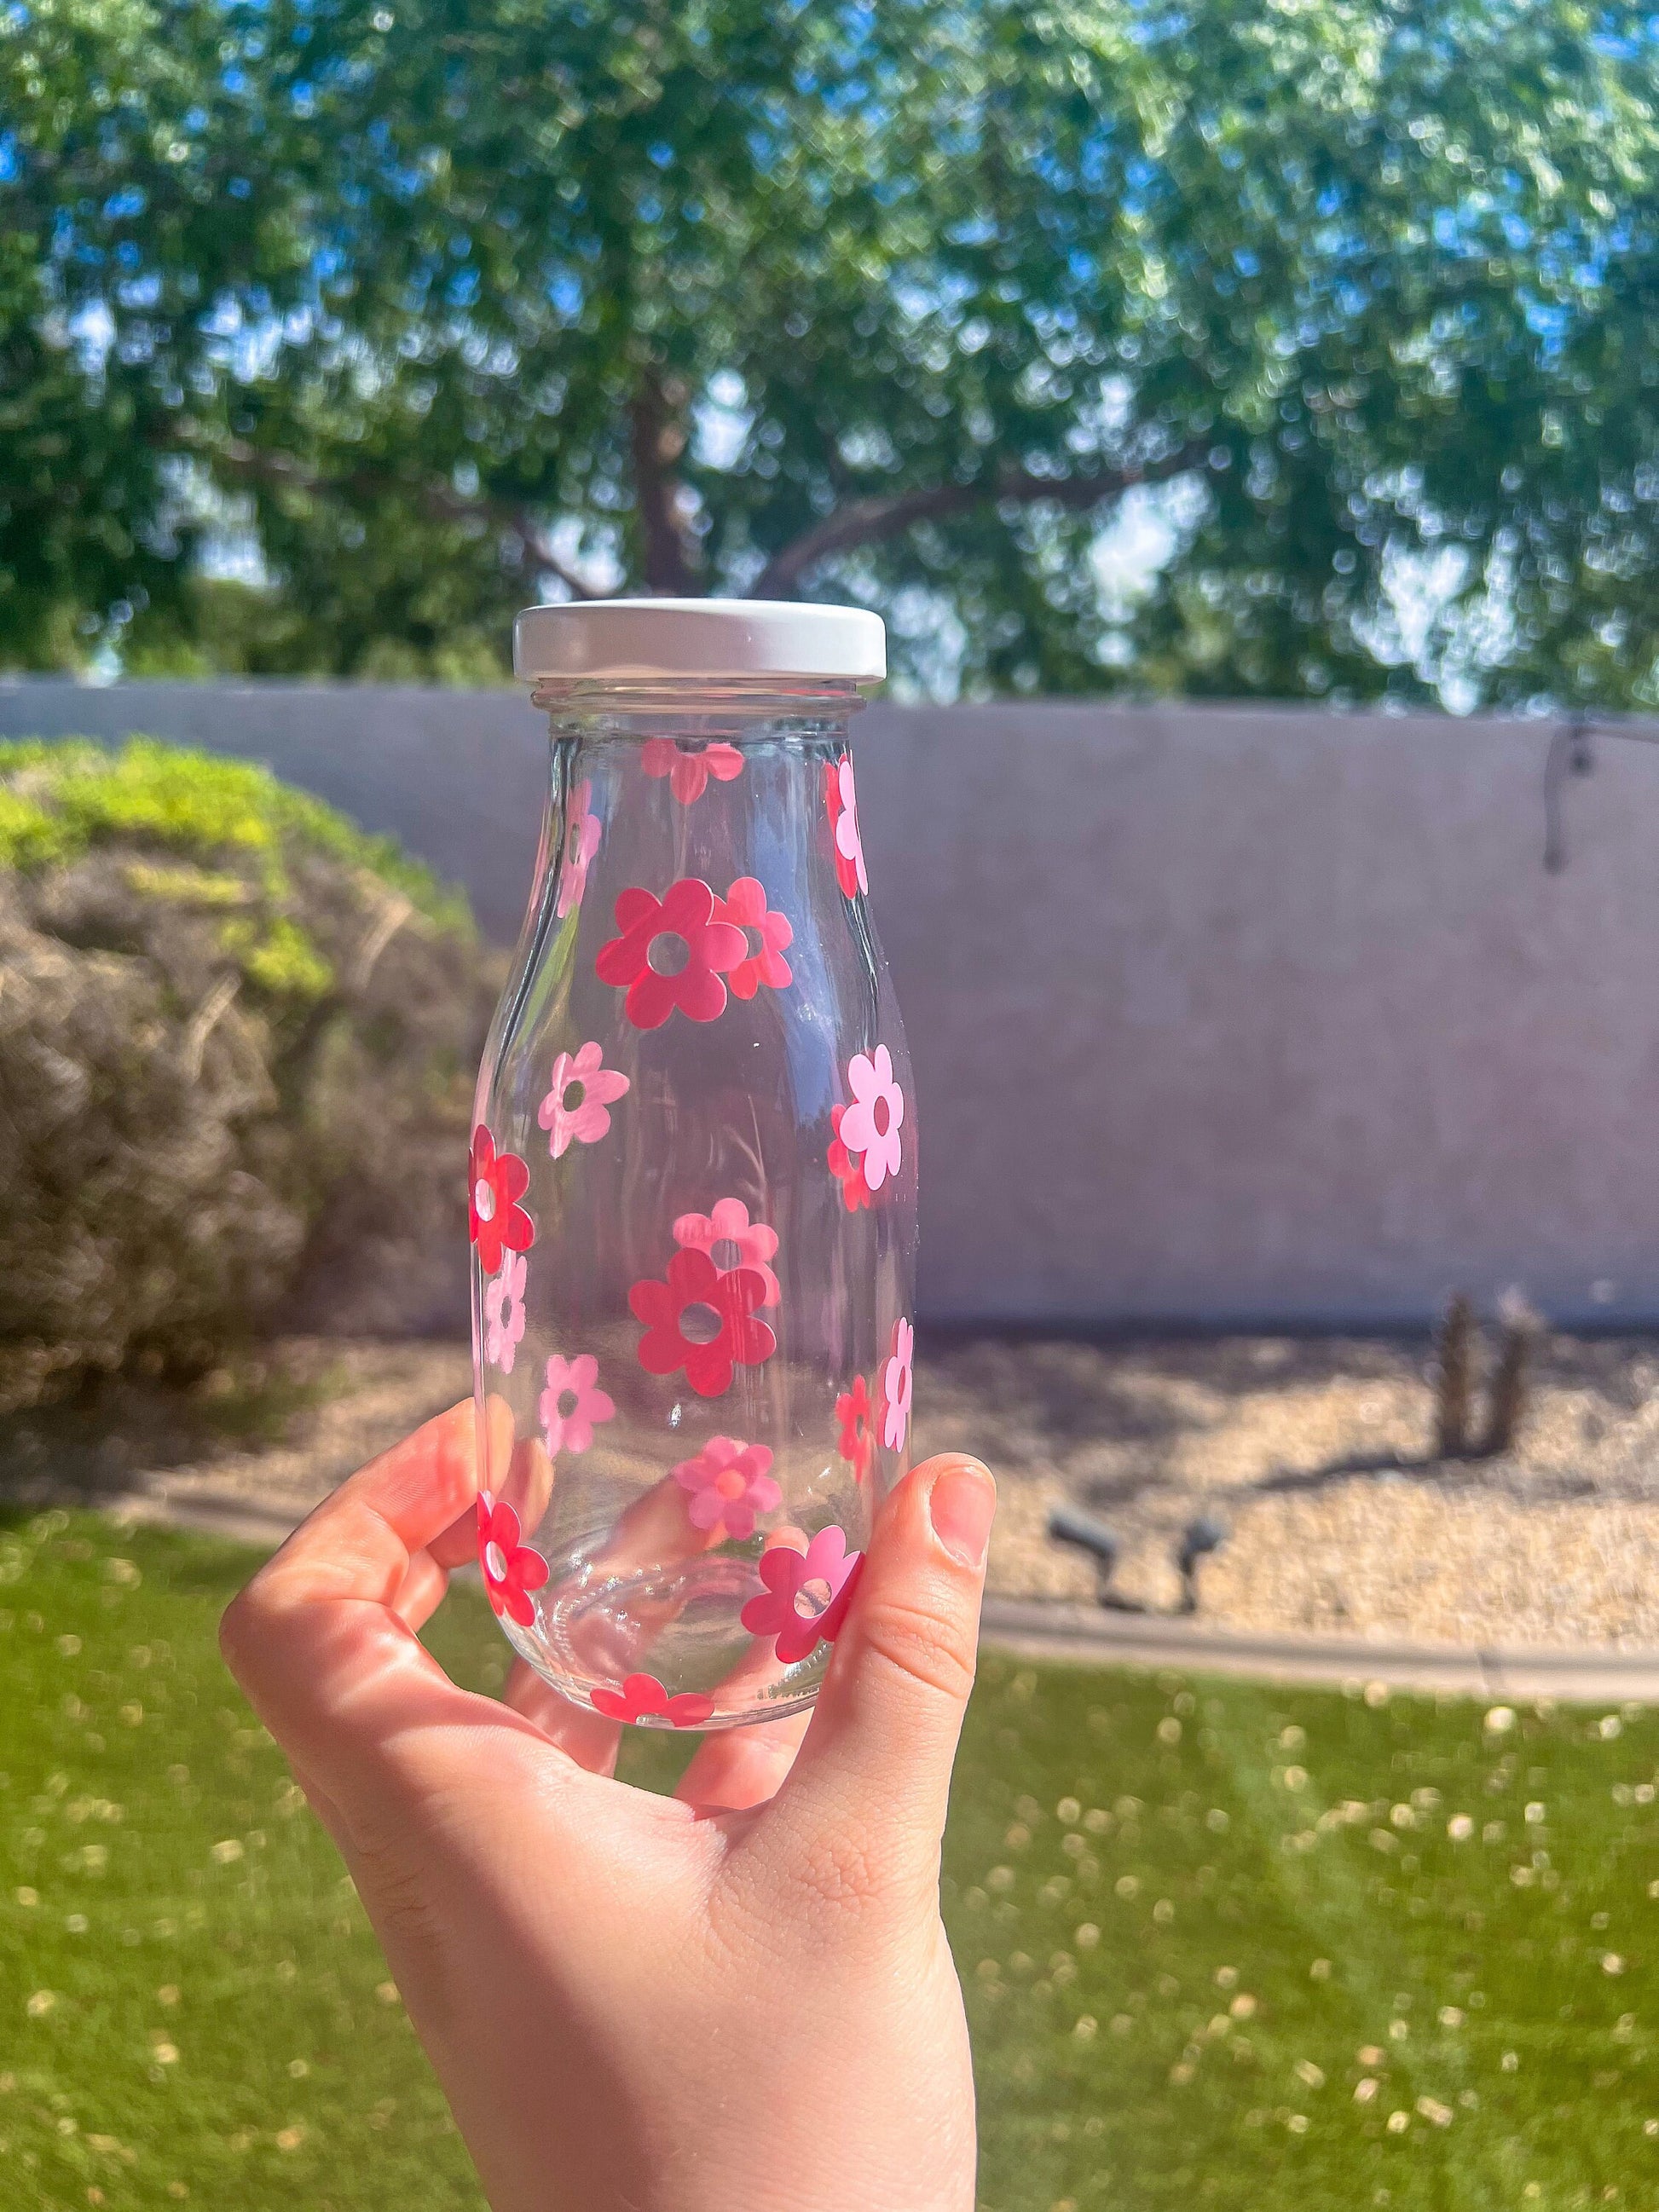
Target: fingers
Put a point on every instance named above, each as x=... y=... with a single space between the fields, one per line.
x=741 y=1767
x=875 y=1767
x=421 y=1592
x=359 y=1540
x=320 y=1640
x=587 y=1737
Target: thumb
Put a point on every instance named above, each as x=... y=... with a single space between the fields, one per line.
x=877 y=1757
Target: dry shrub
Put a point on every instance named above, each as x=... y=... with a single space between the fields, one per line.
x=237 y=1048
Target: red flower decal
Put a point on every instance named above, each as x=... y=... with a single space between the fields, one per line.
x=846 y=1168
x=688 y=770
x=854 y=1411
x=495 y=1222
x=672 y=953
x=732 y=1337
x=642 y=1698
x=745 y=904
x=511 y=1570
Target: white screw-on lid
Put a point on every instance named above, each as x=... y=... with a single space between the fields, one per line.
x=657 y=641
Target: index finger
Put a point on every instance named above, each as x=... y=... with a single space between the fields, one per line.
x=336 y=1674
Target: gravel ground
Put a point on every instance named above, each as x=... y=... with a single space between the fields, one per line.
x=1314 y=1454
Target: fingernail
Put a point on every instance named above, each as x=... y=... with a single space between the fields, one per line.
x=962 y=1504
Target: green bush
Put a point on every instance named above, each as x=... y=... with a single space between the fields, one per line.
x=237 y=1045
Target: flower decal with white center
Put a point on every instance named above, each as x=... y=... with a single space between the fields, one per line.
x=495 y=1182
x=511 y=1570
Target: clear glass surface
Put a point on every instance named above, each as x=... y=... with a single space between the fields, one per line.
x=693 y=1183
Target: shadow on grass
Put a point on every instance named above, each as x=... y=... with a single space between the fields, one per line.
x=90 y=1445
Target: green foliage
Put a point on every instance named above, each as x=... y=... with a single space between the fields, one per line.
x=450 y=301
x=1191 y=1917
x=58 y=799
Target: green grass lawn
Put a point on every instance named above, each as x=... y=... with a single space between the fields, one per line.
x=1239 y=1945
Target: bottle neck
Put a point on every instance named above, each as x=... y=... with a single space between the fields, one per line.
x=736 y=709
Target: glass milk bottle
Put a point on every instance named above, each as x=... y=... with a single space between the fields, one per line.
x=693 y=1172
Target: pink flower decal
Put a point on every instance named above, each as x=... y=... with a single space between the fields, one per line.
x=688 y=768
x=495 y=1221
x=870 y=1125
x=852 y=1412
x=843 y=803
x=722 y=1307
x=642 y=1698
x=511 y=1570
x=573 y=1404
x=672 y=953
x=807 y=1594
x=582 y=841
x=728 y=1485
x=597 y=1088
x=504 y=1311
x=731 y=1240
x=746 y=905
x=848 y=1172
x=896 y=1388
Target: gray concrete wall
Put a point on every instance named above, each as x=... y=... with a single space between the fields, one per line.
x=1218 y=1016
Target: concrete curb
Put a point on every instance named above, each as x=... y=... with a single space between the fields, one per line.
x=1093 y=1636
x=208 y=1513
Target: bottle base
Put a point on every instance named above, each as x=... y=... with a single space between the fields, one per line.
x=664 y=1647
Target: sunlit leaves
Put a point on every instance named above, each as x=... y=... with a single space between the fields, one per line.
x=408 y=277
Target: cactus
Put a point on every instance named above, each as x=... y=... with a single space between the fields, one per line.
x=1521 y=1332
x=1456 y=1350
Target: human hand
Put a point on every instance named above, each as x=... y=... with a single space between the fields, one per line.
x=739 y=1999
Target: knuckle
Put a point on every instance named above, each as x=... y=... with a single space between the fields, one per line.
x=397 y=1891
x=914 y=1642
x=843 y=1867
x=240 y=1633
x=251 y=1624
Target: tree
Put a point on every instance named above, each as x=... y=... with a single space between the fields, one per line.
x=127 y=211
x=898 y=304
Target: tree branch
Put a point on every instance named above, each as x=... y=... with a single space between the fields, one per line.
x=658 y=442
x=541 y=553
x=865 y=521
x=439 y=499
